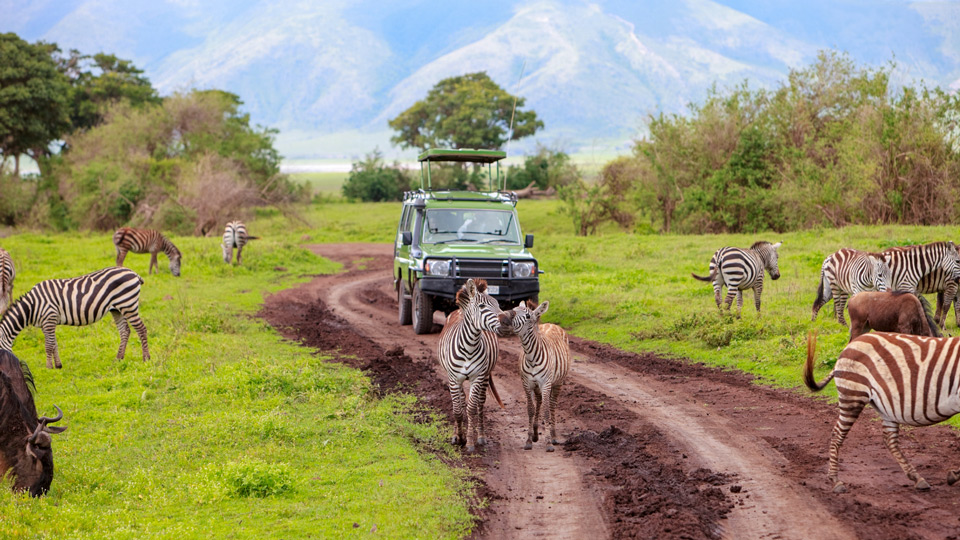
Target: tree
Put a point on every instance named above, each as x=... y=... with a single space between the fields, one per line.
x=101 y=80
x=33 y=99
x=373 y=180
x=469 y=111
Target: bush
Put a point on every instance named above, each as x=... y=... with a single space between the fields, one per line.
x=547 y=168
x=371 y=179
x=257 y=479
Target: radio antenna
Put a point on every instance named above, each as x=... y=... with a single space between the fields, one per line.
x=516 y=93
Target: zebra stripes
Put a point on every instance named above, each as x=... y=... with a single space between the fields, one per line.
x=908 y=379
x=78 y=302
x=543 y=367
x=846 y=273
x=149 y=241
x=468 y=351
x=910 y=264
x=742 y=269
x=7 y=274
x=235 y=236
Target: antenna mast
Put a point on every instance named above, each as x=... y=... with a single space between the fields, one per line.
x=516 y=93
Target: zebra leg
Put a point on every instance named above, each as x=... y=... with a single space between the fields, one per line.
x=547 y=394
x=133 y=317
x=49 y=327
x=739 y=302
x=731 y=294
x=459 y=408
x=849 y=412
x=531 y=411
x=481 y=400
x=554 y=394
x=124 y=330
x=474 y=404
x=153 y=263
x=891 y=436
x=239 y=255
x=716 y=293
x=757 y=290
x=121 y=255
x=538 y=393
x=839 y=303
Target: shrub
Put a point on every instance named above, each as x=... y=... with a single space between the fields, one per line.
x=371 y=179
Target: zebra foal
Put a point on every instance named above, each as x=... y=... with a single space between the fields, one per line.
x=78 y=302
x=912 y=380
x=7 y=274
x=468 y=351
x=235 y=236
x=742 y=269
x=847 y=272
x=543 y=367
x=149 y=241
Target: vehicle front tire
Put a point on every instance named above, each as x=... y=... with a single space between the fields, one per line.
x=422 y=311
x=405 y=306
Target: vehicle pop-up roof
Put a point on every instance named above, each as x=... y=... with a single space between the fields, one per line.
x=483 y=157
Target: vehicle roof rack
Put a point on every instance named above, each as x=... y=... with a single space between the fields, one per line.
x=464 y=196
x=470 y=155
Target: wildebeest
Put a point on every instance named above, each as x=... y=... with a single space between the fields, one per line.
x=24 y=438
x=894 y=311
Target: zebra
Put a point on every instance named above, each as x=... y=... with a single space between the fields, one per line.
x=742 y=269
x=910 y=264
x=235 y=236
x=944 y=285
x=468 y=351
x=7 y=274
x=543 y=367
x=847 y=272
x=146 y=241
x=78 y=302
x=912 y=380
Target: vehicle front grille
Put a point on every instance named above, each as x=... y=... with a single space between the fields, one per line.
x=481 y=268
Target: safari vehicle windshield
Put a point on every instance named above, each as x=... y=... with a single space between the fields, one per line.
x=451 y=226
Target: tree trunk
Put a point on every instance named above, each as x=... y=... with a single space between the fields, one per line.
x=16 y=166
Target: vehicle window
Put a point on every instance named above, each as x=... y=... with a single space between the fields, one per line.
x=405 y=219
x=447 y=226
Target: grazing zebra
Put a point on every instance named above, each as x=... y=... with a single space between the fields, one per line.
x=944 y=285
x=912 y=380
x=7 y=274
x=910 y=264
x=846 y=273
x=742 y=269
x=543 y=367
x=146 y=241
x=78 y=302
x=235 y=236
x=468 y=352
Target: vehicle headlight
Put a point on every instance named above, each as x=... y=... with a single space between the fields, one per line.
x=524 y=269
x=437 y=267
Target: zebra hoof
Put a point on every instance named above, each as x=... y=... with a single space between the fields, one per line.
x=536 y=434
x=456 y=441
x=839 y=487
x=528 y=446
x=554 y=441
x=481 y=441
x=550 y=448
x=952 y=478
x=922 y=485
x=471 y=449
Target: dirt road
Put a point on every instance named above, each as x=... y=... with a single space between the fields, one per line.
x=655 y=447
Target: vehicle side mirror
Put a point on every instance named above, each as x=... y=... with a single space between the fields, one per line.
x=407 y=237
x=528 y=241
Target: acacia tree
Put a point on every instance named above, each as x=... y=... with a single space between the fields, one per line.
x=33 y=100
x=469 y=111
x=99 y=81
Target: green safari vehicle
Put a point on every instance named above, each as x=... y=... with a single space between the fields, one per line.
x=446 y=237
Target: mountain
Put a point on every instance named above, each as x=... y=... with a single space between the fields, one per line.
x=330 y=74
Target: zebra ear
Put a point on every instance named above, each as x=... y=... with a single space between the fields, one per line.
x=541 y=309
x=470 y=288
x=777 y=245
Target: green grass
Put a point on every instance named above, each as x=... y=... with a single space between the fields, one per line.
x=324 y=183
x=635 y=292
x=229 y=432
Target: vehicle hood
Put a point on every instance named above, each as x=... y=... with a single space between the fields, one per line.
x=474 y=251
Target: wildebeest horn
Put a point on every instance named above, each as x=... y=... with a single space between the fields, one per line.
x=44 y=420
x=36 y=433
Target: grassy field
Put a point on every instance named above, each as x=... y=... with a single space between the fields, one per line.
x=322 y=183
x=229 y=432
x=635 y=291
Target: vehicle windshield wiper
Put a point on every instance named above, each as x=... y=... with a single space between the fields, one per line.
x=455 y=240
x=499 y=240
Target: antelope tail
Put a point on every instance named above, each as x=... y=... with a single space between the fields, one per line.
x=808 y=367
x=701 y=278
x=493 y=390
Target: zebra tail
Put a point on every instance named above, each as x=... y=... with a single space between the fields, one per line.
x=493 y=390
x=932 y=328
x=701 y=278
x=808 y=366
x=820 y=301
x=253 y=238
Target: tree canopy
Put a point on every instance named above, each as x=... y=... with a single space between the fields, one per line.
x=100 y=80
x=468 y=111
x=33 y=99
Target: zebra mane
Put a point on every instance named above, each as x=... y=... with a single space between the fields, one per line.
x=761 y=243
x=481 y=285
